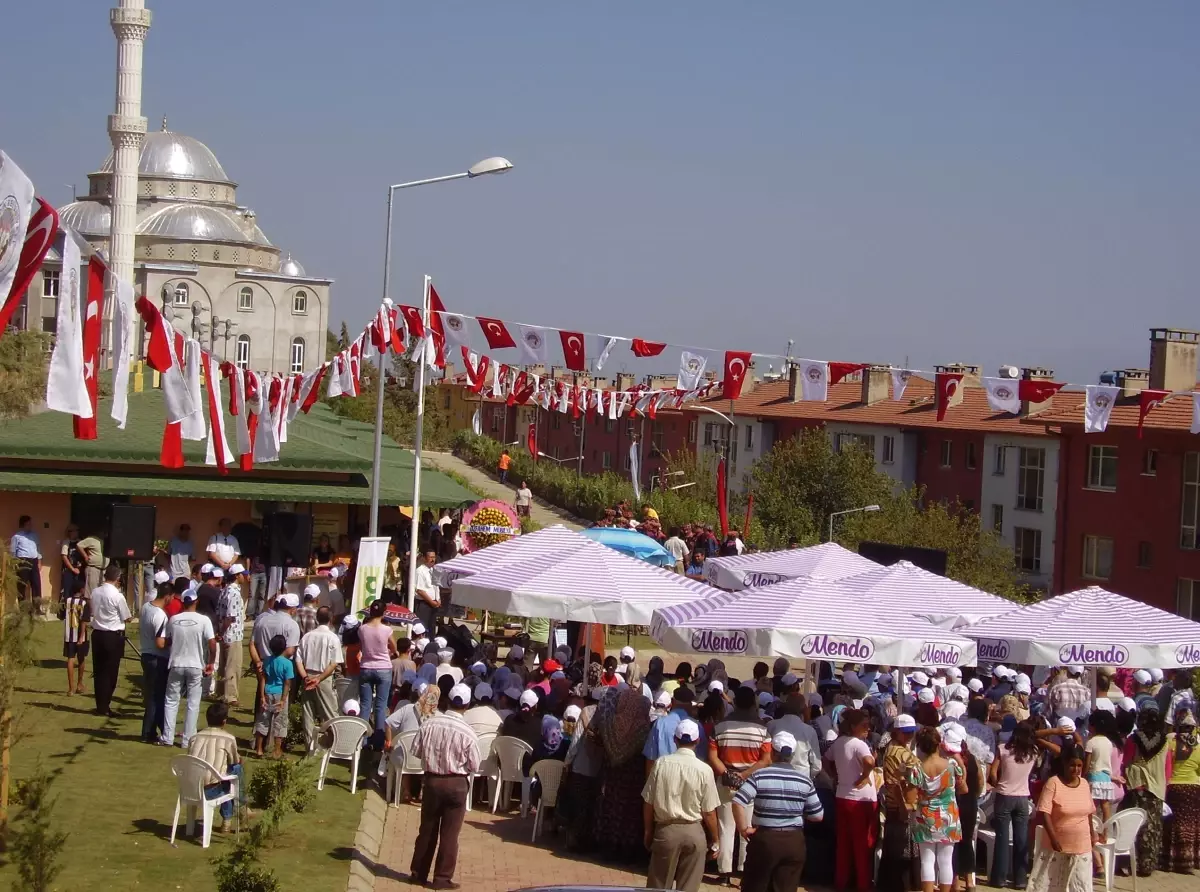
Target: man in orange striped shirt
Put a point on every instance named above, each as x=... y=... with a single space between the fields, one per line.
x=739 y=747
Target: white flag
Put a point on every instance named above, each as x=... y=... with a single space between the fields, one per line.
x=266 y=437
x=455 y=327
x=177 y=400
x=623 y=404
x=305 y=388
x=814 y=380
x=476 y=423
x=564 y=396
x=1196 y=413
x=500 y=383
x=609 y=343
x=691 y=370
x=1100 y=401
x=531 y=341
x=66 y=387
x=635 y=471
x=242 y=420
x=216 y=416
x=1003 y=395
x=16 y=207
x=192 y=427
x=122 y=332
x=899 y=382
x=285 y=402
x=335 y=375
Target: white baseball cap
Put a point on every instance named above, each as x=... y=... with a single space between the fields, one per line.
x=716 y=686
x=783 y=743
x=189 y=596
x=1127 y=704
x=904 y=722
x=789 y=679
x=1066 y=723
x=953 y=740
x=572 y=712
x=919 y=678
x=1021 y=676
x=663 y=699
x=628 y=653
x=955 y=709
x=335 y=571
x=958 y=692
x=815 y=699
x=349 y=621
x=483 y=691
x=975 y=685
x=206 y=568
x=1024 y=687
x=953 y=673
x=516 y=652
x=1104 y=704
x=292 y=599
x=528 y=698
x=1075 y=670
x=312 y=590
x=925 y=695
x=687 y=731
x=161 y=576
x=237 y=570
x=218 y=573
x=1156 y=675
x=1142 y=677
x=460 y=695
x=440 y=642
x=351 y=707
x=418 y=629
x=1000 y=670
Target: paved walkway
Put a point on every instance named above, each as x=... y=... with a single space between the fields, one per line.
x=487 y=485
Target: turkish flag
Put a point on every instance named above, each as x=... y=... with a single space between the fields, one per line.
x=477 y=368
x=1147 y=400
x=496 y=333
x=839 y=370
x=85 y=428
x=573 y=352
x=722 y=499
x=1037 y=391
x=946 y=386
x=38 y=237
x=645 y=349
x=436 y=308
x=412 y=319
x=531 y=440
x=737 y=364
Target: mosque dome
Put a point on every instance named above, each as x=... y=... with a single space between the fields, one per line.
x=197 y=223
x=88 y=218
x=170 y=155
x=290 y=267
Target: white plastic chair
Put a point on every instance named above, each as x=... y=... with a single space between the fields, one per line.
x=401 y=762
x=488 y=767
x=348 y=733
x=510 y=752
x=549 y=774
x=193 y=775
x=1121 y=831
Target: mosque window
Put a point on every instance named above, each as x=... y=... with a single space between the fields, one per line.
x=246 y=298
x=242 y=357
x=297 y=354
x=180 y=298
x=300 y=302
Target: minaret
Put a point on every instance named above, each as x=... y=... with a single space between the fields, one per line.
x=130 y=21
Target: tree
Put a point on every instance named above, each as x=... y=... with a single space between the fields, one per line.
x=332 y=344
x=344 y=337
x=22 y=371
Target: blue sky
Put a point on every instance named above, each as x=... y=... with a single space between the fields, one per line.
x=941 y=181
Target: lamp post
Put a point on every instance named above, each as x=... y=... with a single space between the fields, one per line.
x=728 y=446
x=848 y=511
x=494 y=164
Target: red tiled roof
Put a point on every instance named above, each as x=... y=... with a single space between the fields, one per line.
x=1174 y=414
x=770 y=400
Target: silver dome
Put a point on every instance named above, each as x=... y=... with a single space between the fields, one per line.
x=197 y=222
x=175 y=156
x=289 y=267
x=88 y=218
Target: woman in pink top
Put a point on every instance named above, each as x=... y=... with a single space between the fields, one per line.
x=1064 y=862
x=851 y=764
x=1009 y=775
x=376 y=652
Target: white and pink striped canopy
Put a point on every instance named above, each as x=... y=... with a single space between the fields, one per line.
x=1089 y=627
x=573 y=579
x=829 y=560
x=516 y=549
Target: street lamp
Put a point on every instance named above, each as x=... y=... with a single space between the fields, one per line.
x=848 y=511
x=495 y=164
x=728 y=446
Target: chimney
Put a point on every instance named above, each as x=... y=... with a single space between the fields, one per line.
x=970 y=378
x=1173 y=358
x=626 y=381
x=795 y=389
x=876 y=380
x=1131 y=381
x=1035 y=373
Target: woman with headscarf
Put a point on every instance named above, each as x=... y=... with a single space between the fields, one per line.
x=654 y=674
x=1146 y=755
x=427 y=702
x=622 y=724
x=554 y=744
x=581 y=786
x=1181 y=846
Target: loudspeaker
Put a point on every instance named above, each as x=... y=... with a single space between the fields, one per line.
x=287 y=539
x=931 y=559
x=131 y=532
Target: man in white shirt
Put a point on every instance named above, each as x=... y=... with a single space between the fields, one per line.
x=806 y=756
x=483 y=716
x=110 y=612
x=428 y=595
x=152 y=624
x=317 y=657
x=523 y=499
x=677 y=548
x=444 y=668
x=223 y=548
x=193 y=653
x=181 y=550
x=24 y=546
x=444 y=519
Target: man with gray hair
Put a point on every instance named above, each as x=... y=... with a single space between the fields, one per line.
x=317 y=657
x=268 y=624
x=445 y=655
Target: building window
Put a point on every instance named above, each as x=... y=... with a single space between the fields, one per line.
x=1191 y=500
x=241 y=355
x=609 y=425
x=628 y=462
x=1097 y=557
x=947 y=453
x=749 y=437
x=445 y=396
x=497 y=418
x=297 y=354
x=998 y=518
x=692 y=425
x=1027 y=549
x=180 y=298
x=1031 y=478
x=970 y=456
x=1144 y=555
x=606 y=460
x=889 y=450
x=865 y=442
x=708 y=433
x=999 y=460
x=1187 y=598
x=1150 y=463
x=656 y=437
x=555 y=421
x=300 y=302
x=1102 y=467
x=49 y=283
x=246 y=299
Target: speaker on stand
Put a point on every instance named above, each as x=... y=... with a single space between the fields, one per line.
x=287 y=539
x=131 y=539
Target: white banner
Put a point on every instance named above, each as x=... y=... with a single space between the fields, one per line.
x=368 y=573
x=635 y=469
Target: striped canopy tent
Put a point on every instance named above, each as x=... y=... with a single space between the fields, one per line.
x=1089 y=627
x=809 y=619
x=582 y=581
x=769 y=567
x=906 y=588
x=516 y=549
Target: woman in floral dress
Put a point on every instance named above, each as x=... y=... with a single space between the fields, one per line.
x=936 y=827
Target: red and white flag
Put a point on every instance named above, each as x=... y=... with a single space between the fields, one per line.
x=900 y=379
x=310 y=387
x=496 y=333
x=412 y=320
x=16 y=209
x=1002 y=394
x=839 y=370
x=946 y=386
x=814 y=380
x=121 y=339
x=436 y=309
x=66 y=386
x=398 y=333
x=336 y=372
x=1037 y=390
x=646 y=349
x=85 y=426
x=1147 y=400
x=691 y=370
x=574 y=353
x=500 y=382
x=1097 y=408
x=737 y=366
x=266 y=438
x=533 y=344
x=164 y=354
x=477 y=368
x=609 y=343
x=381 y=329
x=217 y=451
x=531 y=440
x=193 y=426
x=39 y=235
x=238 y=409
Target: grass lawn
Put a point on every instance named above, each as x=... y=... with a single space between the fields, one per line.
x=116 y=795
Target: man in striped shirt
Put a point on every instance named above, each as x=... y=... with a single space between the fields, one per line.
x=783 y=800
x=448 y=749
x=739 y=747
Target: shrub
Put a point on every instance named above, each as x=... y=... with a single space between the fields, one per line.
x=33 y=844
x=280 y=778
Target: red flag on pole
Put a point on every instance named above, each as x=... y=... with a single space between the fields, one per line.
x=839 y=370
x=496 y=332
x=85 y=428
x=1149 y=399
x=646 y=349
x=946 y=386
x=436 y=308
x=531 y=440
x=39 y=236
x=573 y=352
x=736 y=366
x=722 y=502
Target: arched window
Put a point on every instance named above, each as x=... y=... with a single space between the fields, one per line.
x=181 y=294
x=300 y=302
x=297 y=354
x=242 y=357
x=246 y=299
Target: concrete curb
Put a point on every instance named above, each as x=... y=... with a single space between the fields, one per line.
x=367 y=841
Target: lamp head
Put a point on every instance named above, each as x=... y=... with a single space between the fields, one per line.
x=495 y=164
